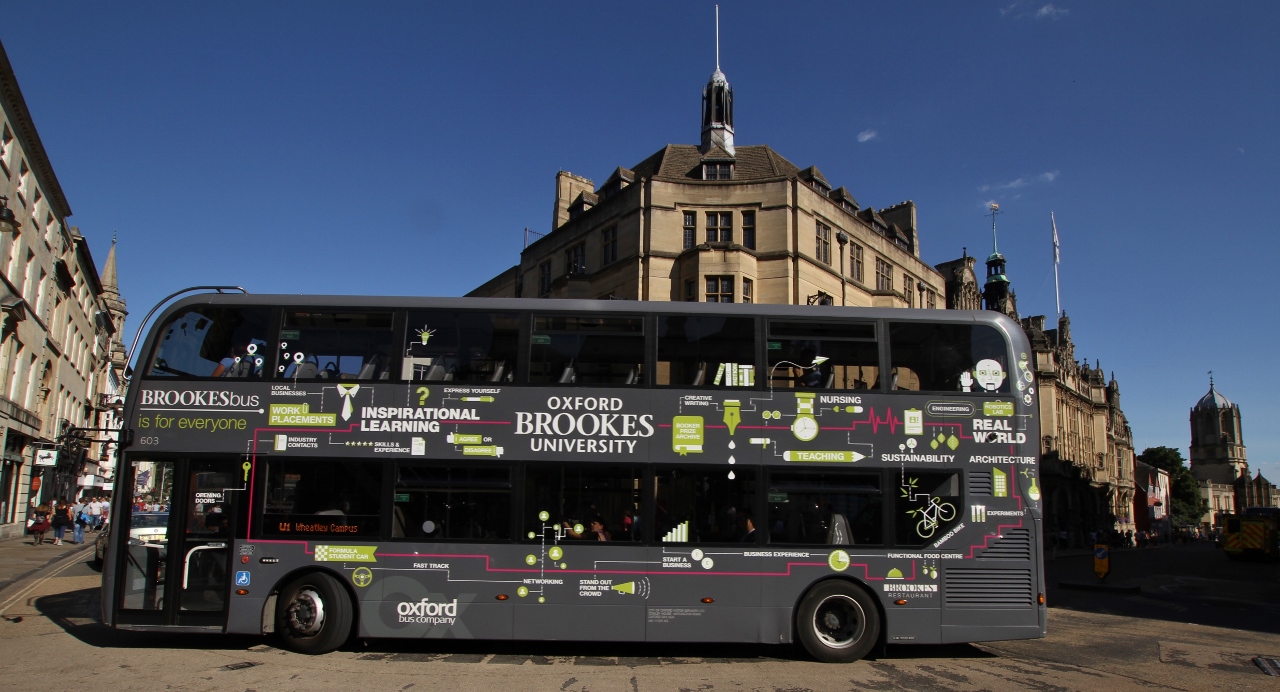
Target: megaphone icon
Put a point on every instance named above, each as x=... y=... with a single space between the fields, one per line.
x=629 y=587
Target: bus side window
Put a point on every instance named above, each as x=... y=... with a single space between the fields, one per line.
x=813 y=507
x=705 y=506
x=587 y=350
x=926 y=506
x=441 y=502
x=329 y=345
x=460 y=346
x=705 y=351
x=948 y=358
x=823 y=355
x=562 y=502
x=214 y=341
x=313 y=497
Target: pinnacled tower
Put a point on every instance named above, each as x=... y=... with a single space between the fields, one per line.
x=996 y=293
x=717 y=108
x=1217 y=443
x=116 y=308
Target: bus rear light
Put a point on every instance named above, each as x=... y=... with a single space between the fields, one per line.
x=1040 y=599
x=242 y=592
x=900 y=601
x=503 y=597
x=708 y=599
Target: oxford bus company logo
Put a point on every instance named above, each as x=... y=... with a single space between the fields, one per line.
x=427 y=612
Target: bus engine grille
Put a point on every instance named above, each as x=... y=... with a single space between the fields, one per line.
x=985 y=588
x=1015 y=544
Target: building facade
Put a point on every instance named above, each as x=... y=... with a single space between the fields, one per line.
x=57 y=329
x=723 y=223
x=1151 y=500
x=1087 y=458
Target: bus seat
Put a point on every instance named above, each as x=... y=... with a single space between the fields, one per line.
x=498 y=369
x=631 y=377
x=568 y=376
x=306 y=370
x=700 y=376
x=838 y=533
x=435 y=372
x=397 y=523
x=366 y=370
x=831 y=380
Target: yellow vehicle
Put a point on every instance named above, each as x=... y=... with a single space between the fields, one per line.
x=1256 y=534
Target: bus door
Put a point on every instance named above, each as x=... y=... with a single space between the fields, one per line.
x=175 y=549
x=206 y=574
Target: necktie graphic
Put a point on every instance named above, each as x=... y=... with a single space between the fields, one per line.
x=348 y=391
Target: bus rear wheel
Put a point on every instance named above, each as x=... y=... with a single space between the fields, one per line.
x=837 y=622
x=313 y=614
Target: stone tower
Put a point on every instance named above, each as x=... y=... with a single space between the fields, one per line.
x=996 y=292
x=116 y=307
x=1217 y=445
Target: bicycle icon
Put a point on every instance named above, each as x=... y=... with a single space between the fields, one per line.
x=933 y=513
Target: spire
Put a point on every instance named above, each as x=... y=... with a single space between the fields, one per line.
x=109 y=280
x=717 y=107
x=996 y=292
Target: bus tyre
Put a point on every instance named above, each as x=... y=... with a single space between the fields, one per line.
x=837 y=622
x=313 y=614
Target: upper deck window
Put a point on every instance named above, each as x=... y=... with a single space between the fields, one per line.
x=823 y=355
x=334 y=345
x=695 y=351
x=460 y=345
x=214 y=341
x=949 y=358
x=586 y=349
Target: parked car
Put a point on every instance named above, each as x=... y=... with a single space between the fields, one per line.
x=145 y=527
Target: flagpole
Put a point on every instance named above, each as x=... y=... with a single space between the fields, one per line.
x=1057 y=293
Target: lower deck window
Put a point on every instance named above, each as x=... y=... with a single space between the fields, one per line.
x=595 y=503
x=307 y=497
x=927 y=506
x=825 y=508
x=443 y=503
x=705 y=506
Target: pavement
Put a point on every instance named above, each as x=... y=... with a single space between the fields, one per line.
x=20 y=557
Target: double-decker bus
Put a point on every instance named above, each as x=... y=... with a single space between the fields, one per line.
x=331 y=467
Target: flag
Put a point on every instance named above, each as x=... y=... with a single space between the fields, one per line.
x=1055 y=239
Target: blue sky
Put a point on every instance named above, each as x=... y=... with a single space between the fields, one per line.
x=402 y=148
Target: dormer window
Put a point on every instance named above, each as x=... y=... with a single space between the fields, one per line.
x=717 y=171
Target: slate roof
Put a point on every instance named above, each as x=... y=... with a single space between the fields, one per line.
x=683 y=162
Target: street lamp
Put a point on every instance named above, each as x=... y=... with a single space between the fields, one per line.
x=8 y=223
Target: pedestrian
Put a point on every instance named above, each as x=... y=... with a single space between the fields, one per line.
x=95 y=514
x=106 y=511
x=61 y=520
x=40 y=525
x=78 y=518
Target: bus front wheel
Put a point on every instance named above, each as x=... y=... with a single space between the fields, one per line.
x=313 y=614
x=837 y=622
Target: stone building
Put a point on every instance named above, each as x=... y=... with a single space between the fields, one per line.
x=1087 y=458
x=1220 y=463
x=57 y=328
x=722 y=222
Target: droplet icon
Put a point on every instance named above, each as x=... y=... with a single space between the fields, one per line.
x=731 y=476
x=733 y=445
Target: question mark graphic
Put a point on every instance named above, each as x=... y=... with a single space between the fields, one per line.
x=423 y=391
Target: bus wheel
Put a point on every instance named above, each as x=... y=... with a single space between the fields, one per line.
x=837 y=622
x=313 y=614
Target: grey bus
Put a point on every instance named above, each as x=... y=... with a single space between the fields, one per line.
x=338 y=467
